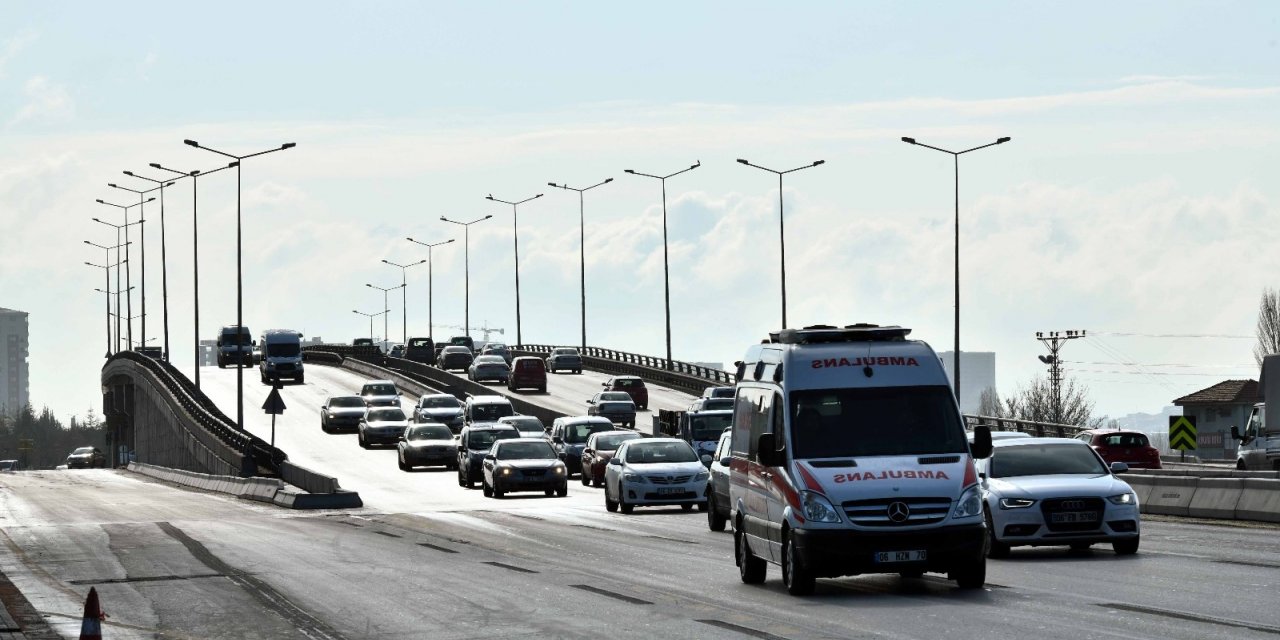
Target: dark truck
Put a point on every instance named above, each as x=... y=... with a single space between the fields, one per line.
x=700 y=429
x=421 y=350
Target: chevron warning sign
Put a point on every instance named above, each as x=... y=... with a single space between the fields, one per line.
x=1182 y=433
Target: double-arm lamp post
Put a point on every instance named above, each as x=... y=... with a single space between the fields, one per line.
x=127 y=270
x=385 y=308
x=404 y=295
x=515 y=227
x=582 y=245
x=430 y=287
x=466 y=270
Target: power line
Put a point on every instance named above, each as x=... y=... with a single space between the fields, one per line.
x=1174 y=335
x=1147 y=373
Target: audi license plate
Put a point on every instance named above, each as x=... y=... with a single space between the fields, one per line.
x=883 y=557
x=1071 y=517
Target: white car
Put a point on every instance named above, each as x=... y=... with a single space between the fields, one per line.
x=655 y=471
x=1056 y=491
x=381 y=425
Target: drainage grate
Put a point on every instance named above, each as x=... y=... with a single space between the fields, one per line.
x=610 y=594
x=432 y=546
x=748 y=631
x=510 y=567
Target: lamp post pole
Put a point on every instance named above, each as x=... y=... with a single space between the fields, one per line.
x=128 y=268
x=515 y=227
x=164 y=260
x=195 y=254
x=106 y=271
x=142 y=241
x=404 y=295
x=666 y=276
x=955 y=155
x=239 y=263
x=385 y=308
x=371 y=316
x=782 y=236
x=430 y=286
x=582 y=246
x=119 y=261
x=466 y=261
x=128 y=288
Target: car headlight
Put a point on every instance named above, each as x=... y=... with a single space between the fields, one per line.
x=506 y=471
x=969 y=504
x=1124 y=498
x=816 y=507
x=560 y=470
x=633 y=477
x=1015 y=503
x=702 y=475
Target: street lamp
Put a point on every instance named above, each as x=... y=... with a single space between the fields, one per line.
x=466 y=278
x=142 y=241
x=106 y=271
x=385 y=307
x=371 y=316
x=782 y=236
x=404 y=294
x=164 y=261
x=239 y=270
x=127 y=270
x=516 y=233
x=666 y=278
x=119 y=262
x=955 y=155
x=430 y=287
x=582 y=246
x=195 y=253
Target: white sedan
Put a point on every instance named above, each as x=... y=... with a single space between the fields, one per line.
x=654 y=471
x=1056 y=491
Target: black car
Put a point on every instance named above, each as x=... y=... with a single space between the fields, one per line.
x=455 y=358
x=718 y=484
x=86 y=458
x=427 y=444
x=473 y=444
x=524 y=464
x=341 y=412
x=421 y=350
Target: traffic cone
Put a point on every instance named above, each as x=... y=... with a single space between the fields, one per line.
x=91 y=626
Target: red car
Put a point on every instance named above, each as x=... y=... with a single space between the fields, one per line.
x=1130 y=447
x=528 y=371
x=600 y=447
x=633 y=385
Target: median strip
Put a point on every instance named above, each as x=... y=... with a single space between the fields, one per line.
x=511 y=567
x=437 y=548
x=147 y=579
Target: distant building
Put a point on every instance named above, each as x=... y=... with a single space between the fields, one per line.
x=14 y=371
x=978 y=374
x=1217 y=409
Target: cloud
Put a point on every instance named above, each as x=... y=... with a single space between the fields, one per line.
x=12 y=46
x=44 y=101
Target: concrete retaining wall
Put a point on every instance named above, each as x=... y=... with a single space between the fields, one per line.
x=1228 y=495
x=270 y=490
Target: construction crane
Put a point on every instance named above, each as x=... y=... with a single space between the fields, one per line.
x=486 y=329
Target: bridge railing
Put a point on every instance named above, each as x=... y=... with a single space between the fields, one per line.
x=1039 y=429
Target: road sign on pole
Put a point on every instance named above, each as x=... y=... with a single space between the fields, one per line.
x=1182 y=434
x=274 y=406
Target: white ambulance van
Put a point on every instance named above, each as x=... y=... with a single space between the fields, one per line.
x=849 y=456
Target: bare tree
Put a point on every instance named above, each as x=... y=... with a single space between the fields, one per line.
x=1268 y=325
x=1035 y=402
x=989 y=404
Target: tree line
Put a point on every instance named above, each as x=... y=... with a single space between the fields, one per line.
x=50 y=441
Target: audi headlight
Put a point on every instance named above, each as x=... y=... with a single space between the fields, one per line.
x=1124 y=498
x=969 y=504
x=702 y=475
x=633 y=477
x=1015 y=503
x=817 y=508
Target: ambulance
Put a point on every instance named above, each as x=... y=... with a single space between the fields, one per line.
x=850 y=456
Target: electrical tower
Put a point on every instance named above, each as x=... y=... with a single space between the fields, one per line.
x=1053 y=341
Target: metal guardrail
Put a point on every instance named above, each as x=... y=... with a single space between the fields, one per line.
x=715 y=376
x=1039 y=429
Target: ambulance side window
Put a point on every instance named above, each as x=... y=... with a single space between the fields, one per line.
x=779 y=422
x=742 y=409
x=751 y=412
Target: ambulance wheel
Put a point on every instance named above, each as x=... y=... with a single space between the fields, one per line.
x=798 y=578
x=750 y=568
x=971 y=574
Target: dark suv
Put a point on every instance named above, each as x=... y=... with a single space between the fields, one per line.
x=421 y=350
x=455 y=357
x=473 y=443
x=526 y=372
x=633 y=386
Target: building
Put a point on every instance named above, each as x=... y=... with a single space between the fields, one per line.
x=15 y=392
x=1217 y=409
x=979 y=374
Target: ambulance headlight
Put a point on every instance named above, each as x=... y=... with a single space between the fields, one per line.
x=817 y=508
x=969 y=504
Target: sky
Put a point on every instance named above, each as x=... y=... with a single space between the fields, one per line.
x=1136 y=199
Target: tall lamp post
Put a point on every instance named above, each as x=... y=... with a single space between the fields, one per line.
x=782 y=236
x=582 y=245
x=195 y=253
x=142 y=240
x=666 y=278
x=386 y=308
x=955 y=155
x=164 y=260
x=466 y=278
x=128 y=268
x=371 y=316
x=128 y=287
x=404 y=295
x=106 y=269
x=119 y=262
x=239 y=266
x=516 y=234
x=430 y=287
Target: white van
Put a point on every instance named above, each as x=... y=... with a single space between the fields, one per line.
x=849 y=456
x=281 y=355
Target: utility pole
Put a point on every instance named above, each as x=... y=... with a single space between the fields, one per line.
x=1053 y=341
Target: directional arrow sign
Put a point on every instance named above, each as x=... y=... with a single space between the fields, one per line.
x=1182 y=433
x=275 y=406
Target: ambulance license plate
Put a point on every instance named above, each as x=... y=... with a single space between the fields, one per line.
x=885 y=557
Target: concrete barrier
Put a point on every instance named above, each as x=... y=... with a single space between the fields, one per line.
x=1142 y=486
x=271 y=490
x=1216 y=498
x=1260 y=500
x=1171 y=495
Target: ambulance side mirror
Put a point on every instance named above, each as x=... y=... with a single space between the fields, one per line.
x=981 y=448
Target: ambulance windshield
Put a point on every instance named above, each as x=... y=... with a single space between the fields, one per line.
x=881 y=421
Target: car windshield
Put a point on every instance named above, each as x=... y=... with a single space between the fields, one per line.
x=485 y=439
x=380 y=390
x=495 y=347
x=578 y=433
x=346 y=402
x=656 y=452
x=440 y=402
x=628 y=383
x=429 y=432
x=1045 y=460
x=1124 y=440
x=525 y=451
x=283 y=349
x=616 y=395
x=710 y=427
x=715 y=404
x=419 y=343
x=490 y=412
x=386 y=415
x=83 y=450
x=611 y=442
x=461 y=341
x=721 y=392
x=878 y=421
